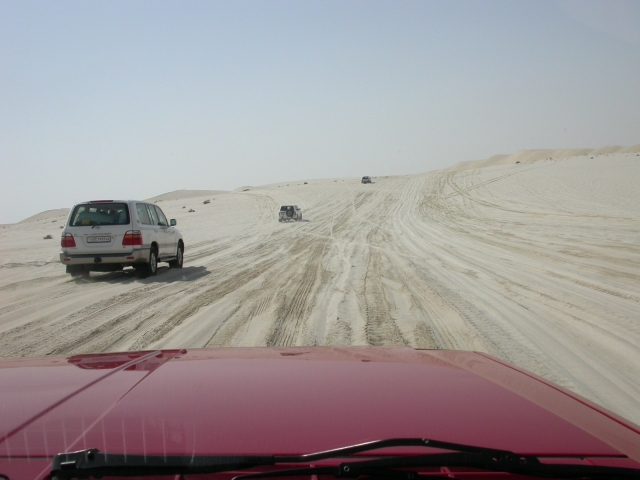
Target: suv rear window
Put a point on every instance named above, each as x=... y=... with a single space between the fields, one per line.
x=89 y=214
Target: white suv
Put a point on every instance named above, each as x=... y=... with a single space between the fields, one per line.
x=289 y=212
x=108 y=235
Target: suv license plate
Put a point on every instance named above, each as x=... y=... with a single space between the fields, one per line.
x=98 y=239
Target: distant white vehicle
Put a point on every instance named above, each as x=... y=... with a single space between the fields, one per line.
x=366 y=179
x=109 y=235
x=289 y=212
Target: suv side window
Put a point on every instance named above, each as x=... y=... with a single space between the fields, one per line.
x=143 y=214
x=162 y=219
x=152 y=215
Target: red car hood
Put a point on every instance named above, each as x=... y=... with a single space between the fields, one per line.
x=290 y=401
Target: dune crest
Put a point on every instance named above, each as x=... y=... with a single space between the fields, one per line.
x=47 y=215
x=530 y=156
x=183 y=194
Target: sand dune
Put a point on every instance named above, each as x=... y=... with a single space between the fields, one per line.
x=530 y=156
x=184 y=194
x=47 y=215
x=537 y=263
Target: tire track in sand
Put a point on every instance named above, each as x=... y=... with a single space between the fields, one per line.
x=291 y=314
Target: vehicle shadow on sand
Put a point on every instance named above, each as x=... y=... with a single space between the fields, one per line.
x=164 y=275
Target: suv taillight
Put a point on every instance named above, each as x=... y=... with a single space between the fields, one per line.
x=67 y=241
x=132 y=237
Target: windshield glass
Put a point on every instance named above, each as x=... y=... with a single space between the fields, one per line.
x=481 y=286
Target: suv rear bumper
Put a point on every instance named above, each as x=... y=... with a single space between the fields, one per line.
x=137 y=256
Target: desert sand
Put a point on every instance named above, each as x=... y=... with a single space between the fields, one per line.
x=533 y=258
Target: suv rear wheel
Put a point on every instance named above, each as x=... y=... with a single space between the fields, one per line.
x=75 y=270
x=151 y=268
x=177 y=263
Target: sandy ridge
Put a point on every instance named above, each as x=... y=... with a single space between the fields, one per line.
x=530 y=156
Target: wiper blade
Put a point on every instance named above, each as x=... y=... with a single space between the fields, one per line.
x=344 y=470
x=385 y=468
x=92 y=463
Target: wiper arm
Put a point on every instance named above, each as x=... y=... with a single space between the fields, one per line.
x=392 y=442
x=92 y=463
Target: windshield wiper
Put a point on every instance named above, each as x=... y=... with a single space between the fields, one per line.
x=386 y=468
x=92 y=463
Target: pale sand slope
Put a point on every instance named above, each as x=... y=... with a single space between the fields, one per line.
x=537 y=263
x=530 y=156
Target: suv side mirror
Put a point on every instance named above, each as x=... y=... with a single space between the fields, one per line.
x=173 y=222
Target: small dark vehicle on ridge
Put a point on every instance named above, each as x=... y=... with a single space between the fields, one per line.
x=366 y=179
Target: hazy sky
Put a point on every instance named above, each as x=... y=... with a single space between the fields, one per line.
x=130 y=99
